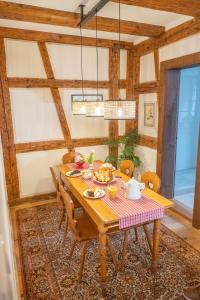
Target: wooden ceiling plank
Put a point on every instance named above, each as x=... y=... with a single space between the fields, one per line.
x=184 y=7
x=29 y=13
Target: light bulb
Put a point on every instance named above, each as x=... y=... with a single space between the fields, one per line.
x=97 y=111
x=83 y=109
x=120 y=112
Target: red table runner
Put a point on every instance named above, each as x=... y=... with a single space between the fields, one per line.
x=130 y=212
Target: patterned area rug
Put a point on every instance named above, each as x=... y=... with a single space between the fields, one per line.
x=49 y=275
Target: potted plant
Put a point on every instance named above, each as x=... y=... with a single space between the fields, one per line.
x=126 y=144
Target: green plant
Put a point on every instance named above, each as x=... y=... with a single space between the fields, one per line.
x=126 y=144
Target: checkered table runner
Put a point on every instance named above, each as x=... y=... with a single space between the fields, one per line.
x=130 y=212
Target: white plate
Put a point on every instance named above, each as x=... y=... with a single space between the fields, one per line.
x=101 y=194
x=75 y=175
x=101 y=182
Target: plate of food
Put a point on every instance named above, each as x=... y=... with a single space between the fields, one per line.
x=107 y=166
x=104 y=176
x=94 y=193
x=74 y=173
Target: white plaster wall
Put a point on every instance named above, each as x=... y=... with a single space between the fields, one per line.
x=23 y=59
x=148 y=157
x=183 y=47
x=34 y=115
x=147 y=68
x=34 y=174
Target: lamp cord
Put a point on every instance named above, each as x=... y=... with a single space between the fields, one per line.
x=81 y=36
x=97 y=56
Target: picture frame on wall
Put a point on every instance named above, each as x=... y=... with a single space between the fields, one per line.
x=149 y=114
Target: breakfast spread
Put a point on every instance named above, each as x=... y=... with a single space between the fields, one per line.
x=104 y=174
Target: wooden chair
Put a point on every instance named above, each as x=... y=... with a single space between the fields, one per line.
x=57 y=181
x=68 y=157
x=127 y=167
x=151 y=181
x=83 y=230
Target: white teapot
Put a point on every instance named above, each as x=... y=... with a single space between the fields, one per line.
x=133 y=189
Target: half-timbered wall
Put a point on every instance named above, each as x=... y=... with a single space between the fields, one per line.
x=149 y=80
x=34 y=113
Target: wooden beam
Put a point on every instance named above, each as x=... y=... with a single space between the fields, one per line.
x=55 y=94
x=113 y=94
x=89 y=142
x=9 y=153
x=58 y=144
x=29 y=13
x=40 y=36
x=184 y=7
x=33 y=199
x=19 y=82
x=148 y=141
x=129 y=124
x=137 y=80
x=147 y=87
x=157 y=64
x=175 y=34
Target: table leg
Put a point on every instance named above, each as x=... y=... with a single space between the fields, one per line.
x=156 y=240
x=102 y=260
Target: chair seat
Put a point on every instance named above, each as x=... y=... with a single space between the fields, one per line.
x=86 y=227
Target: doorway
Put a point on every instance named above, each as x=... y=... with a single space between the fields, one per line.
x=178 y=132
x=188 y=118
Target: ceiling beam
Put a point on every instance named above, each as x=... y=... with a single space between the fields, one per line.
x=29 y=13
x=184 y=7
x=49 y=37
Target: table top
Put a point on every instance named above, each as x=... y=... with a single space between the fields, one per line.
x=97 y=209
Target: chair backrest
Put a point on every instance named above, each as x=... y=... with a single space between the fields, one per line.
x=151 y=181
x=69 y=205
x=68 y=157
x=55 y=179
x=127 y=167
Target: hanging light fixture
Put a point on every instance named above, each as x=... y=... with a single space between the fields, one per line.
x=119 y=109
x=96 y=108
x=79 y=106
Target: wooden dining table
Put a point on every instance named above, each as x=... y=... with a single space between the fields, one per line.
x=105 y=218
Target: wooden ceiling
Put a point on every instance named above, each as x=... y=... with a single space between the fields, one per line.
x=184 y=7
x=29 y=13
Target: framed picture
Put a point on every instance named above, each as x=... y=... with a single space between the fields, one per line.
x=79 y=102
x=149 y=114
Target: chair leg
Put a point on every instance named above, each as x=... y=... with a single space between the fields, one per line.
x=65 y=233
x=62 y=218
x=82 y=260
x=74 y=242
x=124 y=249
x=136 y=234
x=112 y=252
x=148 y=238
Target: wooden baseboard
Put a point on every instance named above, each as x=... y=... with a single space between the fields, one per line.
x=32 y=199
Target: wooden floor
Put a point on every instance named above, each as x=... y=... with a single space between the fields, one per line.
x=174 y=221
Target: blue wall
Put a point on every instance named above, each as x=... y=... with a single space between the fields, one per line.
x=188 y=119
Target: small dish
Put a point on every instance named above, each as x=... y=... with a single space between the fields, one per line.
x=70 y=174
x=98 y=193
